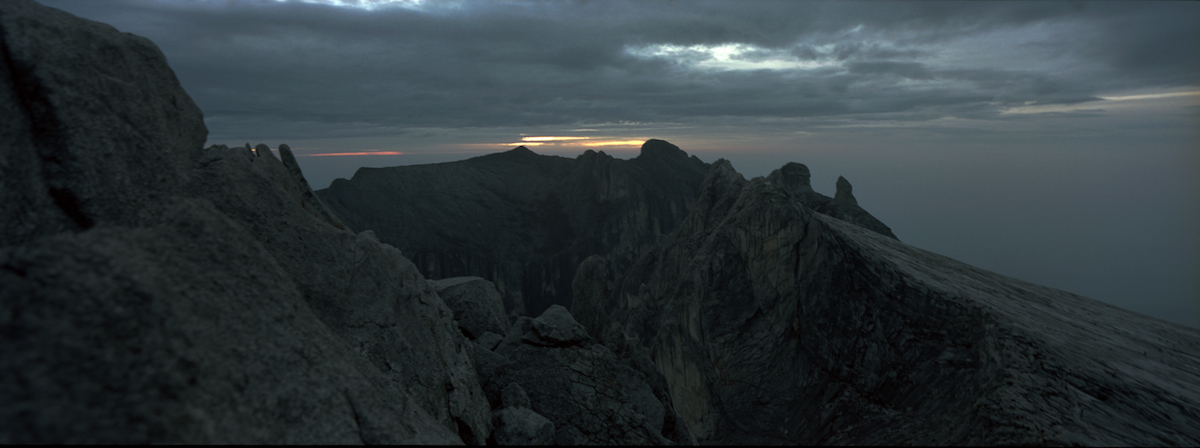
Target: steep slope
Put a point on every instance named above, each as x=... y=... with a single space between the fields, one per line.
x=774 y=324
x=155 y=291
x=522 y=220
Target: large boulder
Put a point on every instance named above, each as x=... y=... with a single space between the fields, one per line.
x=154 y=291
x=95 y=126
x=476 y=304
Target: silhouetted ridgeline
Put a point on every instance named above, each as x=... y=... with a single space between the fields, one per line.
x=152 y=290
x=525 y=221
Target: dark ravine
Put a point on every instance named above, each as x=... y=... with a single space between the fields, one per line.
x=155 y=291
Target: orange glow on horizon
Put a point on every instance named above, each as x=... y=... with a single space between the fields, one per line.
x=366 y=153
x=552 y=139
x=616 y=143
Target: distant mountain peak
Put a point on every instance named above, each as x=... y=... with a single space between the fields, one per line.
x=520 y=150
x=660 y=150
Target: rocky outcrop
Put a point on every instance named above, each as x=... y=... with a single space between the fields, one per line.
x=476 y=304
x=845 y=192
x=521 y=220
x=590 y=394
x=154 y=291
x=794 y=177
x=774 y=324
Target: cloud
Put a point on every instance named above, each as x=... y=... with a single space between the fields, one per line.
x=316 y=69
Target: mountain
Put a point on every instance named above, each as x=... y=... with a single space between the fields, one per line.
x=521 y=220
x=525 y=221
x=155 y=291
x=774 y=324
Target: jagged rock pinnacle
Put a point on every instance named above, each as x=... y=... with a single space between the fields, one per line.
x=844 y=191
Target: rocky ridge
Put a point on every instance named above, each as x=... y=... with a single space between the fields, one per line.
x=774 y=324
x=521 y=220
x=525 y=221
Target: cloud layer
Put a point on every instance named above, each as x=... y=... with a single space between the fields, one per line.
x=311 y=69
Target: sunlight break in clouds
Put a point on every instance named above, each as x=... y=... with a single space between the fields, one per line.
x=551 y=139
x=727 y=56
x=573 y=141
x=615 y=143
x=367 y=4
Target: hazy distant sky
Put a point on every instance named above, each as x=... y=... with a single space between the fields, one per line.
x=1058 y=143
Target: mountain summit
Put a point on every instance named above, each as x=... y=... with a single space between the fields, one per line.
x=522 y=220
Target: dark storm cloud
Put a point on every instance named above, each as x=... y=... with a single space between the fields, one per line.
x=301 y=69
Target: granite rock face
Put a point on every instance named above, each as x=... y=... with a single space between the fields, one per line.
x=155 y=291
x=521 y=220
x=774 y=324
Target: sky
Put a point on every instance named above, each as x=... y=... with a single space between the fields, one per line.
x=1054 y=142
